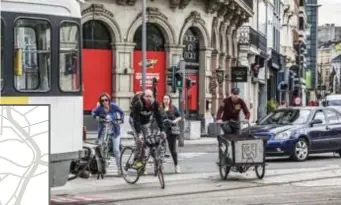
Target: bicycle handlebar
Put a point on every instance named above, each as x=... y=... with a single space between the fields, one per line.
x=228 y=121
x=116 y=121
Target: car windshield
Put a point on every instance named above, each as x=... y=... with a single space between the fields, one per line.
x=287 y=116
x=333 y=102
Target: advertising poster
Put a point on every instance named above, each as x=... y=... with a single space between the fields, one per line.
x=156 y=67
x=192 y=94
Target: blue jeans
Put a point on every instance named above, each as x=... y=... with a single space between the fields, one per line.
x=116 y=141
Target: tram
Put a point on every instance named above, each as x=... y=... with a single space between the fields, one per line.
x=41 y=64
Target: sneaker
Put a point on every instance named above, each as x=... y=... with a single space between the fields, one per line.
x=138 y=164
x=177 y=169
x=145 y=172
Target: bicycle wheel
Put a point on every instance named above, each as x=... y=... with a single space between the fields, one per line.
x=160 y=174
x=224 y=170
x=127 y=167
x=260 y=171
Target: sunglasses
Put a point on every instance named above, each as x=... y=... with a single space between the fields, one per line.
x=104 y=100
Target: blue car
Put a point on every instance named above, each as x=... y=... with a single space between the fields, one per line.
x=299 y=131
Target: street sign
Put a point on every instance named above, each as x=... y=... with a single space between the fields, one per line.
x=297 y=100
x=239 y=74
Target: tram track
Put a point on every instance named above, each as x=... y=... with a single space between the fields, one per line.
x=213 y=178
x=184 y=193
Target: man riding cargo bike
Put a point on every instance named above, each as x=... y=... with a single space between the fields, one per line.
x=234 y=142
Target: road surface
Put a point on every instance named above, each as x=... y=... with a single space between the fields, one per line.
x=315 y=181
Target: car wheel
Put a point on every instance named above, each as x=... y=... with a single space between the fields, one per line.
x=301 y=150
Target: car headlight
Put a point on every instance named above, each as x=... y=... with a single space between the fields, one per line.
x=283 y=135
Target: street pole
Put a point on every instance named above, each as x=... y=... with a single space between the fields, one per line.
x=182 y=65
x=144 y=44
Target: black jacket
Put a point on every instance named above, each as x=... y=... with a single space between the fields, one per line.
x=143 y=115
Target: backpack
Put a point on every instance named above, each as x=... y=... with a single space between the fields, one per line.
x=137 y=97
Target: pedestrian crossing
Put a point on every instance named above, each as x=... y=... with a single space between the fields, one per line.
x=112 y=167
x=71 y=200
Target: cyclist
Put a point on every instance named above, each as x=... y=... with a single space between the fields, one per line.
x=230 y=110
x=106 y=110
x=137 y=97
x=143 y=113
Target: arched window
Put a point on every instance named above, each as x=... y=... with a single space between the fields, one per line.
x=155 y=38
x=96 y=35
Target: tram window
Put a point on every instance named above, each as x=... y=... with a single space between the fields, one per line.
x=32 y=54
x=2 y=53
x=69 y=75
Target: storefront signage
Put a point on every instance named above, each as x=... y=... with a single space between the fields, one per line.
x=239 y=74
x=156 y=68
x=191 y=50
x=97 y=8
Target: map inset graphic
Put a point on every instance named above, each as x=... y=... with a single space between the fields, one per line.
x=24 y=155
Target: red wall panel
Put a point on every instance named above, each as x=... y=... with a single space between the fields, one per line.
x=97 y=77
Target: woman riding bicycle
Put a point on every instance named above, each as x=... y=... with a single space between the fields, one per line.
x=108 y=111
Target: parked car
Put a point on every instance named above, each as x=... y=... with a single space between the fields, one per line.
x=299 y=131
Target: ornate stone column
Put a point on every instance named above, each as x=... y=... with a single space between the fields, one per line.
x=222 y=65
x=123 y=73
x=227 y=81
x=205 y=74
x=213 y=80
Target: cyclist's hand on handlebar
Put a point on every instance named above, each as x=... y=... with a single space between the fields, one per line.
x=139 y=138
x=164 y=135
x=97 y=118
x=219 y=121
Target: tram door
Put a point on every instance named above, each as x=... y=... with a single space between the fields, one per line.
x=97 y=62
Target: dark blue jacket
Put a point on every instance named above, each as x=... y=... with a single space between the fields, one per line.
x=113 y=110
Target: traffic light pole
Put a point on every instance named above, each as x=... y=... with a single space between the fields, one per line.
x=182 y=65
x=144 y=44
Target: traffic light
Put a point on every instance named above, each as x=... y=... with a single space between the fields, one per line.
x=302 y=55
x=292 y=76
x=178 y=79
x=171 y=78
x=282 y=86
x=189 y=83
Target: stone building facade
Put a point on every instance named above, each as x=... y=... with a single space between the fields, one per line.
x=213 y=23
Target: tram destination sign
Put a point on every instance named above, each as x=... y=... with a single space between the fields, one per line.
x=239 y=74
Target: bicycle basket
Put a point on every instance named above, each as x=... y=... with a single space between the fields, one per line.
x=152 y=140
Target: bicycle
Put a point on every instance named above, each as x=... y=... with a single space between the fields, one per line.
x=228 y=144
x=155 y=143
x=104 y=142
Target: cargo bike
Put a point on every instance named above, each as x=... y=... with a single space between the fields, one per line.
x=238 y=152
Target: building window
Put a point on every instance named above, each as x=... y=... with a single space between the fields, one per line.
x=301 y=23
x=96 y=35
x=262 y=17
x=155 y=38
x=69 y=75
x=32 y=46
